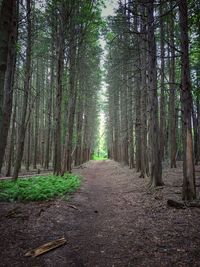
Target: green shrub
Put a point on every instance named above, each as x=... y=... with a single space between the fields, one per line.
x=95 y=157
x=38 y=188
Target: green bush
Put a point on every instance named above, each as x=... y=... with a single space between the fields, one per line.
x=38 y=188
x=95 y=157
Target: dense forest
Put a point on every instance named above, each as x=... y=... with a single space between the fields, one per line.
x=52 y=73
x=99 y=133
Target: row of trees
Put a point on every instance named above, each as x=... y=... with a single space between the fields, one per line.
x=49 y=83
x=152 y=115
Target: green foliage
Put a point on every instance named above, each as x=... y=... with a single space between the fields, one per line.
x=96 y=157
x=38 y=188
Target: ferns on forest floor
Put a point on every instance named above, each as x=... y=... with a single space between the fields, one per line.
x=38 y=188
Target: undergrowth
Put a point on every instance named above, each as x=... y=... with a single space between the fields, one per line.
x=95 y=157
x=38 y=188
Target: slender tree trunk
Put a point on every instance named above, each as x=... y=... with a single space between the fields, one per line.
x=11 y=144
x=116 y=125
x=6 y=17
x=143 y=89
x=7 y=81
x=189 y=188
x=78 y=153
x=23 y=125
x=36 y=118
x=156 y=166
x=130 y=126
x=49 y=123
x=172 y=96
x=28 y=146
x=195 y=131
x=198 y=131
x=162 y=86
x=137 y=79
x=124 y=118
x=57 y=142
x=67 y=161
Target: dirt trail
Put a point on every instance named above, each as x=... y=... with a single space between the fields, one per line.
x=118 y=223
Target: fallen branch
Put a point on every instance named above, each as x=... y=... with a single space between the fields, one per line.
x=46 y=247
x=72 y=206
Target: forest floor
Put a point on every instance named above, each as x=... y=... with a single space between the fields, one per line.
x=112 y=220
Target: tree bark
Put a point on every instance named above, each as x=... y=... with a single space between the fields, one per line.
x=59 y=71
x=162 y=85
x=72 y=96
x=155 y=158
x=7 y=68
x=189 y=188
x=23 y=125
x=172 y=96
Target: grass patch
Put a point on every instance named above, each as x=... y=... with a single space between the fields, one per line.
x=38 y=188
x=95 y=157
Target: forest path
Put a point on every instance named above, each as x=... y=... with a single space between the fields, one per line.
x=117 y=223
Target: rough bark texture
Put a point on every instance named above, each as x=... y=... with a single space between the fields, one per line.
x=172 y=96
x=59 y=72
x=155 y=158
x=143 y=100
x=5 y=31
x=8 y=37
x=189 y=190
x=67 y=160
x=23 y=122
x=162 y=86
x=36 y=119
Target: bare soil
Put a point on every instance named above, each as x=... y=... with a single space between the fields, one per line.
x=113 y=220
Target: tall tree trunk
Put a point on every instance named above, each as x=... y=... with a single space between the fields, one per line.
x=67 y=160
x=5 y=31
x=156 y=166
x=143 y=98
x=49 y=108
x=59 y=71
x=124 y=118
x=79 y=126
x=7 y=68
x=189 y=189
x=11 y=144
x=162 y=86
x=198 y=130
x=137 y=79
x=28 y=146
x=23 y=125
x=172 y=96
x=130 y=125
x=36 y=119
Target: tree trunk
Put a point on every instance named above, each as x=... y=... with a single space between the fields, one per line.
x=162 y=86
x=57 y=142
x=155 y=158
x=28 y=146
x=198 y=130
x=7 y=68
x=189 y=188
x=143 y=98
x=67 y=160
x=172 y=96
x=79 y=128
x=11 y=144
x=6 y=16
x=23 y=125
x=49 y=108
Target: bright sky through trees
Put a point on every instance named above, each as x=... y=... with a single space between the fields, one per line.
x=108 y=10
